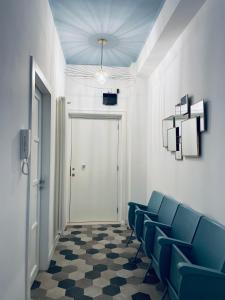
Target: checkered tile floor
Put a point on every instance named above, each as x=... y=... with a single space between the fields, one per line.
x=93 y=262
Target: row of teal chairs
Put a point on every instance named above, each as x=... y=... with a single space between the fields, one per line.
x=186 y=249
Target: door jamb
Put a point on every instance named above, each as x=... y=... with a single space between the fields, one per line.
x=122 y=157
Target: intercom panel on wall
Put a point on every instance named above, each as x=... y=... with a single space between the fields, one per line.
x=25 y=135
x=25 y=141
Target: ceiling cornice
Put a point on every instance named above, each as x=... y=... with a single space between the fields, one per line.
x=171 y=22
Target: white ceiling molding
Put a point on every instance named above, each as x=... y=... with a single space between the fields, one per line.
x=88 y=72
x=173 y=19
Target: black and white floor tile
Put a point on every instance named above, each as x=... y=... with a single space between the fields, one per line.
x=93 y=262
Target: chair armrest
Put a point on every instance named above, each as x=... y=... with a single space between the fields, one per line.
x=194 y=270
x=163 y=241
x=150 y=223
x=132 y=203
x=141 y=206
x=149 y=214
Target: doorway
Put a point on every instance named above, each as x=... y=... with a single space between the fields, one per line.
x=94 y=170
x=35 y=178
x=38 y=202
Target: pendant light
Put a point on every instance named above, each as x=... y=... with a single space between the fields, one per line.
x=101 y=75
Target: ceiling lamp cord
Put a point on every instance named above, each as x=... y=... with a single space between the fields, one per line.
x=102 y=53
x=101 y=75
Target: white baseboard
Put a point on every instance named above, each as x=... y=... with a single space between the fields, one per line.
x=52 y=250
x=92 y=223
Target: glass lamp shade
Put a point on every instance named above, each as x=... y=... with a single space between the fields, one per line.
x=101 y=76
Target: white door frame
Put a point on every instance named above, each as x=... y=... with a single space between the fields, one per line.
x=38 y=80
x=122 y=157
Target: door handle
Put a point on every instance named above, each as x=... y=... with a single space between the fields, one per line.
x=41 y=184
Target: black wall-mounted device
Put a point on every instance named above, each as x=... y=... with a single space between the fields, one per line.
x=109 y=99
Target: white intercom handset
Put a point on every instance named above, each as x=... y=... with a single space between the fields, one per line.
x=25 y=141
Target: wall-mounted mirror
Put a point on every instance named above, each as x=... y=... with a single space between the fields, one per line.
x=198 y=110
x=190 y=137
x=167 y=123
x=173 y=139
x=184 y=105
x=177 y=110
x=181 y=132
x=178 y=121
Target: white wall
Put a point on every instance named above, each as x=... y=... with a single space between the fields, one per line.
x=86 y=94
x=194 y=65
x=26 y=28
x=137 y=128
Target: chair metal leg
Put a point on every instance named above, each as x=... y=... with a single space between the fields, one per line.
x=164 y=294
x=147 y=272
x=128 y=242
x=135 y=259
x=139 y=248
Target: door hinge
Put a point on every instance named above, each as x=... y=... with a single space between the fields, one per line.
x=117 y=168
x=117 y=210
x=118 y=126
x=70 y=171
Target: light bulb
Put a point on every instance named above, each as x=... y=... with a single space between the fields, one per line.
x=101 y=76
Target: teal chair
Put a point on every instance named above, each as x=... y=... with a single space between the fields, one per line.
x=152 y=207
x=164 y=218
x=182 y=229
x=197 y=270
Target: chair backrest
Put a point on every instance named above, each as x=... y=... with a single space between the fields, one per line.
x=155 y=202
x=209 y=245
x=185 y=223
x=167 y=210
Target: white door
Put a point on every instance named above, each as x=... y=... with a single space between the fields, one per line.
x=35 y=191
x=94 y=170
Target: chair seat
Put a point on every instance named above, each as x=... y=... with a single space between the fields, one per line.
x=157 y=247
x=182 y=231
x=174 y=276
x=153 y=206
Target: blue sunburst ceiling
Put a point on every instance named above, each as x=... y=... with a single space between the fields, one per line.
x=124 y=23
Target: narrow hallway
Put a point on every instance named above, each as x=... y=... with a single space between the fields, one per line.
x=93 y=262
x=112 y=120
